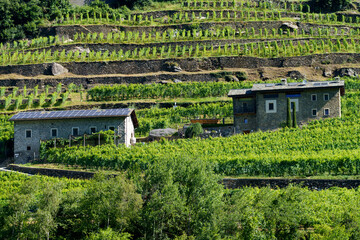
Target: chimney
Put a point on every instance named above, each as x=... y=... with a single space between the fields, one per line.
x=284 y=81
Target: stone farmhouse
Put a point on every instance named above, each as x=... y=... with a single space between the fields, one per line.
x=265 y=107
x=32 y=127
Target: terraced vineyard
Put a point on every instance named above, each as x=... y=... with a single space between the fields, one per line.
x=192 y=52
x=172 y=62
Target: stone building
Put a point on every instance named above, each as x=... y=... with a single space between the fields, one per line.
x=264 y=106
x=32 y=127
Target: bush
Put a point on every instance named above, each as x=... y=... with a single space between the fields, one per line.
x=28 y=15
x=241 y=76
x=194 y=130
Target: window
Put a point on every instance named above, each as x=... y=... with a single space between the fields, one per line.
x=326 y=112
x=245 y=120
x=313 y=97
x=326 y=97
x=92 y=130
x=28 y=148
x=294 y=102
x=28 y=133
x=75 y=131
x=270 y=106
x=314 y=112
x=54 y=132
x=112 y=128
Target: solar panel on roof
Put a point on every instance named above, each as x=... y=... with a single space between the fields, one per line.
x=71 y=114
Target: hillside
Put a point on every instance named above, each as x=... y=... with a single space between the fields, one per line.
x=173 y=62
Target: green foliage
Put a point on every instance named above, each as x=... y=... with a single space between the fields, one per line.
x=189 y=90
x=182 y=196
x=288 y=115
x=109 y=234
x=28 y=15
x=194 y=130
x=294 y=122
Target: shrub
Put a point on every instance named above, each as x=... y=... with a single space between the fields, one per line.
x=194 y=130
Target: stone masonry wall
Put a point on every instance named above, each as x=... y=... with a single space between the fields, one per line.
x=229 y=183
x=26 y=149
x=190 y=65
x=271 y=121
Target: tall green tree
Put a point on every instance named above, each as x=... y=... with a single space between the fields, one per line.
x=288 y=115
x=182 y=196
x=109 y=202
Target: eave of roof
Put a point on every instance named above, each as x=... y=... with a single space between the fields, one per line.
x=76 y=114
x=284 y=88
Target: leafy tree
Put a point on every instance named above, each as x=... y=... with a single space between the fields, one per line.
x=29 y=13
x=109 y=234
x=182 y=195
x=109 y=202
x=288 y=115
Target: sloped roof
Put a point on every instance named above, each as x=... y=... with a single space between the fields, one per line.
x=75 y=114
x=278 y=87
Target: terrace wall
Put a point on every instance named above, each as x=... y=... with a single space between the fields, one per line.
x=189 y=65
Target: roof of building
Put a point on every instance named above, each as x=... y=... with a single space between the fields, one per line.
x=283 y=87
x=238 y=92
x=75 y=114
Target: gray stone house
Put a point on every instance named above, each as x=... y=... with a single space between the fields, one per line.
x=32 y=127
x=264 y=106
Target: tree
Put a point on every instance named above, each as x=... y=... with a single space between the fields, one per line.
x=182 y=196
x=294 y=115
x=109 y=202
x=288 y=120
x=109 y=234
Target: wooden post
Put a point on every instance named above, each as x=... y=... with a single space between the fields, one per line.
x=55 y=143
x=69 y=140
x=99 y=139
x=84 y=139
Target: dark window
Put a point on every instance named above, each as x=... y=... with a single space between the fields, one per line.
x=314 y=112
x=92 y=130
x=293 y=95
x=75 y=131
x=54 y=132
x=314 y=97
x=271 y=106
x=326 y=112
x=326 y=97
x=28 y=133
x=112 y=128
x=28 y=148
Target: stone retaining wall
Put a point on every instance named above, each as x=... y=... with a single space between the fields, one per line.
x=71 y=30
x=88 y=81
x=315 y=184
x=51 y=172
x=189 y=65
x=229 y=183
